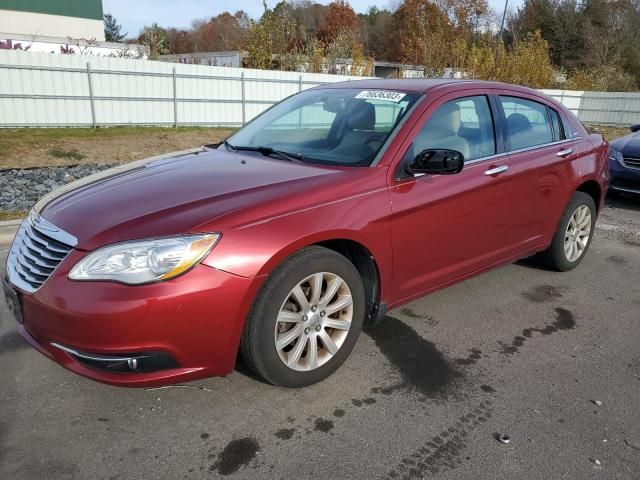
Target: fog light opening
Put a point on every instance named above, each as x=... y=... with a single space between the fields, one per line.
x=139 y=362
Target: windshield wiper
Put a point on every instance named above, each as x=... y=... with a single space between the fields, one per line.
x=266 y=151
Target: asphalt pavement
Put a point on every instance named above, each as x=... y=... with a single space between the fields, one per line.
x=551 y=360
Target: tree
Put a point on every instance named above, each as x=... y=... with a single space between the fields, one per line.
x=181 y=41
x=375 y=25
x=309 y=16
x=272 y=36
x=222 y=32
x=340 y=18
x=608 y=78
x=112 y=29
x=423 y=35
x=155 y=39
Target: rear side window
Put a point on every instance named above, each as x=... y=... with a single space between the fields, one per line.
x=569 y=129
x=528 y=123
x=464 y=124
x=556 y=122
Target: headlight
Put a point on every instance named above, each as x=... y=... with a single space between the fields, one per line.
x=144 y=261
x=615 y=156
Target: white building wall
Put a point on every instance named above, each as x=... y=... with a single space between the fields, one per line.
x=41 y=24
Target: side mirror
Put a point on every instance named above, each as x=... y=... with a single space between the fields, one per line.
x=635 y=128
x=436 y=161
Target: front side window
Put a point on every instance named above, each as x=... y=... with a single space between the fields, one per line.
x=528 y=123
x=464 y=124
x=332 y=126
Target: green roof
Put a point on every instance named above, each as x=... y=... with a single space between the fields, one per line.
x=91 y=9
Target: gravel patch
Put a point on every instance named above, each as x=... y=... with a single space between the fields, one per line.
x=21 y=189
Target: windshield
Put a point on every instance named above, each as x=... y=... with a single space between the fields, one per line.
x=333 y=126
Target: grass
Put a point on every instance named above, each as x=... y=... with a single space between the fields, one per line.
x=609 y=133
x=12 y=215
x=42 y=147
x=39 y=147
x=71 y=155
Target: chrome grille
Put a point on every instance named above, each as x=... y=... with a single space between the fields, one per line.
x=36 y=252
x=633 y=162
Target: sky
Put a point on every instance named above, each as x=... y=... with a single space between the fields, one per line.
x=134 y=14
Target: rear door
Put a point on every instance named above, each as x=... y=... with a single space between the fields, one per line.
x=541 y=160
x=446 y=226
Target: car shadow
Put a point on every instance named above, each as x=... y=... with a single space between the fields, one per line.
x=626 y=201
x=245 y=371
x=531 y=262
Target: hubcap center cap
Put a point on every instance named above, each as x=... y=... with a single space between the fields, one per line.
x=314 y=319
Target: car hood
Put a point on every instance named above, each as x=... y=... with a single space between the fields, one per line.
x=629 y=145
x=171 y=195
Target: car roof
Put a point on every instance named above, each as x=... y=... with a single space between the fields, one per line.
x=423 y=85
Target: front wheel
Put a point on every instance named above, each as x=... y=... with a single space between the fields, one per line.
x=573 y=235
x=305 y=320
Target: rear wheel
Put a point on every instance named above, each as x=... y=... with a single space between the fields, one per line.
x=573 y=235
x=305 y=320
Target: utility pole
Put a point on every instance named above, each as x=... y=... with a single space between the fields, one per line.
x=504 y=14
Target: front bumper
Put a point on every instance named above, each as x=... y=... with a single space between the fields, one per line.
x=192 y=323
x=624 y=179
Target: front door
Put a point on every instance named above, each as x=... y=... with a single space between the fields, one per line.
x=447 y=226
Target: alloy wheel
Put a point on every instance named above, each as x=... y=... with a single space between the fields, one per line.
x=576 y=237
x=314 y=321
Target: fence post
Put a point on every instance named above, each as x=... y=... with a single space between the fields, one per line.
x=175 y=100
x=244 y=108
x=91 y=99
x=299 y=83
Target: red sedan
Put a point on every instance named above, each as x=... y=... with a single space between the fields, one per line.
x=330 y=208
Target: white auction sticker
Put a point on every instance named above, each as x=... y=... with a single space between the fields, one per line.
x=382 y=95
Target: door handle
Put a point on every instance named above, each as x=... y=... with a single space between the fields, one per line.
x=496 y=170
x=564 y=153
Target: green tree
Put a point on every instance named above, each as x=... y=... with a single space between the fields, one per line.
x=112 y=29
x=271 y=38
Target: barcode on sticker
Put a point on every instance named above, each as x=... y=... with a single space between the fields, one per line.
x=381 y=95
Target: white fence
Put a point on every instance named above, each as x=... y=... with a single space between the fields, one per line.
x=48 y=90
x=601 y=108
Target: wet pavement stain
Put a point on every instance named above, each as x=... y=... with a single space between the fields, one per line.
x=617 y=260
x=323 y=425
x=385 y=390
x=238 y=453
x=474 y=356
x=442 y=452
x=565 y=320
x=339 y=413
x=422 y=366
x=408 y=312
x=285 y=433
x=542 y=293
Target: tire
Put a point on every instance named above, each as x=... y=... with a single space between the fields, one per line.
x=556 y=257
x=294 y=365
